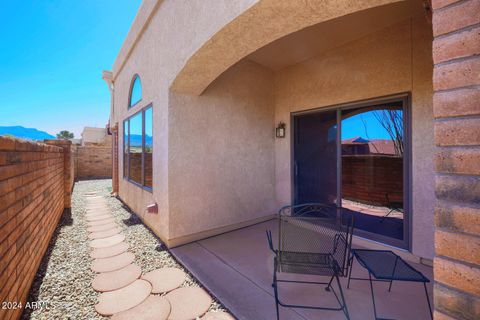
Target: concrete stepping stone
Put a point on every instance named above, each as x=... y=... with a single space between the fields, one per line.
x=101 y=222
x=220 y=315
x=114 y=280
x=165 y=279
x=107 y=252
x=96 y=203
x=104 y=227
x=123 y=299
x=153 y=308
x=113 y=263
x=97 y=208
x=97 y=213
x=99 y=217
x=107 y=242
x=94 y=197
x=104 y=233
x=188 y=303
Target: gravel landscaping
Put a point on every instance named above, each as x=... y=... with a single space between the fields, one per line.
x=64 y=278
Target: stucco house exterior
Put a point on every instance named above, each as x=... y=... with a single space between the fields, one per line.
x=199 y=88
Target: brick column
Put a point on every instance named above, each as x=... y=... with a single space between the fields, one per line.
x=456 y=102
x=69 y=167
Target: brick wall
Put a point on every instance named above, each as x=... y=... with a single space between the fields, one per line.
x=94 y=160
x=456 y=79
x=34 y=190
x=368 y=179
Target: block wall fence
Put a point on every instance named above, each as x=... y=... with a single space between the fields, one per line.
x=456 y=103
x=94 y=160
x=376 y=180
x=36 y=181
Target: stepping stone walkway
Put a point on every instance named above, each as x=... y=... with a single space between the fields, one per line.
x=107 y=242
x=165 y=279
x=101 y=222
x=188 y=303
x=109 y=281
x=104 y=233
x=102 y=227
x=123 y=299
x=107 y=252
x=153 y=308
x=99 y=217
x=124 y=293
x=217 y=316
x=113 y=263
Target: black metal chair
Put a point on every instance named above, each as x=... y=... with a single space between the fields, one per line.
x=314 y=239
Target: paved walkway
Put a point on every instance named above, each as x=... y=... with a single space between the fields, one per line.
x=126 y=293
x=237 y=268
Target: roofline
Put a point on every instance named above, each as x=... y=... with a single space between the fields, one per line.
x=142 y=19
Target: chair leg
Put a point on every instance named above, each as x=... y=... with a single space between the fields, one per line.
x=390 y=286
x=275 y=288
x=344 y=304
x=428 y=300
x=373 y=295
x=350 y=272
x=329 y=283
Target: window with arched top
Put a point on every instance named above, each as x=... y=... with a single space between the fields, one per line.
x=135 y=92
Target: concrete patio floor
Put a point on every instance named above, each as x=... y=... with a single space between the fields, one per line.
x=237 y=268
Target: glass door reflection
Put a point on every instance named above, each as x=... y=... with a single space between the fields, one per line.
x=372 y=161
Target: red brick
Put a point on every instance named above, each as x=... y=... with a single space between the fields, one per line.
x=457 y=246
x=457 y=74
x=461 y=102
x=458 y=45
x=458 y=218
x=457 y=275
x=459 y=160
x=456 y=17
x=7 y=144
x=458 y=132
x=460 y=189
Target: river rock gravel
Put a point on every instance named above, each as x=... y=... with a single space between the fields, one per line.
x=63 y=281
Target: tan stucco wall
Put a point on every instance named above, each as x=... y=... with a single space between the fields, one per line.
x=221 y=169
x=94 y=135
x=163 y=42
x=160 y=41
x=262 y=23
x=377 y=65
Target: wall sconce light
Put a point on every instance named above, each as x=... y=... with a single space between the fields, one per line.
x=280 y=130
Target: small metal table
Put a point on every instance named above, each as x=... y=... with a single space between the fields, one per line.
x=386 y=266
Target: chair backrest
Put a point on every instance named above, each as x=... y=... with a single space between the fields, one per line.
x=316 y=228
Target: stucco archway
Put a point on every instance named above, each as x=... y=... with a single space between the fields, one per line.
x=264 y=22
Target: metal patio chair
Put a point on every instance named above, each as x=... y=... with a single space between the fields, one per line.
x=313 y=239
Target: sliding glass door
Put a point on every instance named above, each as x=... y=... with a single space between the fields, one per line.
x=356 y=156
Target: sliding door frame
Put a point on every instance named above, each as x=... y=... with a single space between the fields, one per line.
x=405 y=98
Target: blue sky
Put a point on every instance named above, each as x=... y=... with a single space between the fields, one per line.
x=52 y=54
x=368 y=128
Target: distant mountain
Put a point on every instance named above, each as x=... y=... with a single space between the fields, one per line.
x=25 y=133
x=136 y=140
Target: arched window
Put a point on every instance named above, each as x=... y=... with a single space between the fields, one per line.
x=135 y=92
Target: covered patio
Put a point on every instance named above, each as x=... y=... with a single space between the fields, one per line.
x=237 y=268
